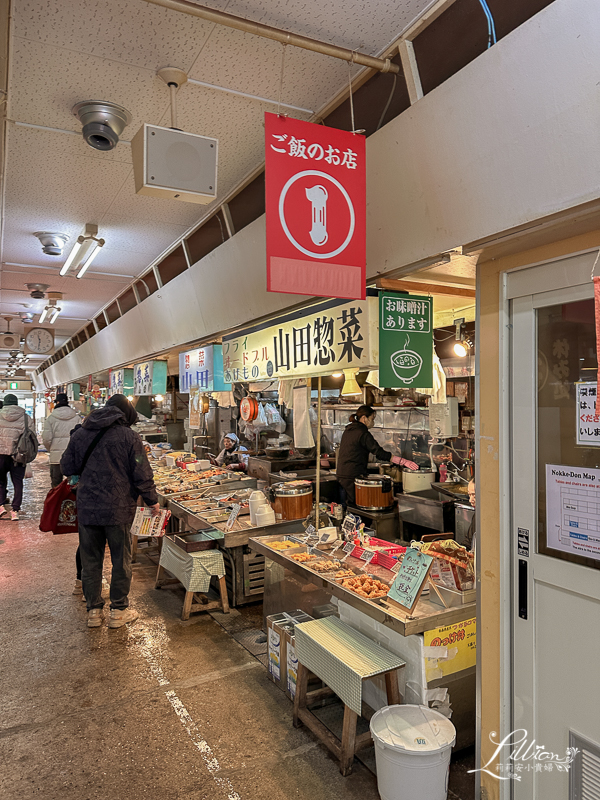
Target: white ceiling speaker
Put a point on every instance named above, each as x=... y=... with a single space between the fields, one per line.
x=103 y=122
x=8 y=339
x=52 y=243
x=175 y=164
x=171 y=163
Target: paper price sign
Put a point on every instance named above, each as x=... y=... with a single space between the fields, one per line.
x=396 y=567
x=367 y=557
x=311 y=530
x=410 y=578
x=348 y=548
x=349 y=523
x=233 y=516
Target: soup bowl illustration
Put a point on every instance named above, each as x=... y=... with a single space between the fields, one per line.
x=406 y=365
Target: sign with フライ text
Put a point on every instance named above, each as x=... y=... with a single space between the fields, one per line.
x=150 y=377
x=405 y=340
x=410 y=578
x=315 y=209
x=202 y=368
x=324 y=338
x=588 y=422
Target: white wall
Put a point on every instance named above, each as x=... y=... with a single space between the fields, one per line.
x=512 y=137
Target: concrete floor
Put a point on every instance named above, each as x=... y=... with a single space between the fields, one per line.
x=161 y=709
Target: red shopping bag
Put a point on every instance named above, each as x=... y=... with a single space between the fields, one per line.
x=60 y=510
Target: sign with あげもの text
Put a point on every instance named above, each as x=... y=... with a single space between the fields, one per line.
x=326 y=337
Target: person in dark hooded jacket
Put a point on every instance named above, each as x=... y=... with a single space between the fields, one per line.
x=116 y=474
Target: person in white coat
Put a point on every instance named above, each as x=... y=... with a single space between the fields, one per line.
x=57 y=432
x=12 y=425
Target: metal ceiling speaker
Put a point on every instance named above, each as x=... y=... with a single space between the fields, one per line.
x=103 y=122
x=52 y=243
x=37 y=290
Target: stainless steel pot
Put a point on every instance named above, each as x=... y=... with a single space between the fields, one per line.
x=417 y=481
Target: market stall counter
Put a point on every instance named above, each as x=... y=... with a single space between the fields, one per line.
x=211 y=508
x=437 y=643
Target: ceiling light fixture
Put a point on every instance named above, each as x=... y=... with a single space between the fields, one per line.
x=350 y=385
x=52 y=310
x=84 y=250
x=462 y=343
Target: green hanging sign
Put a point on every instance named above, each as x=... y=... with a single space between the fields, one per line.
x=405 y=340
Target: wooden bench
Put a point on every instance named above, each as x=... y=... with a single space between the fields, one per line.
x=342 y=658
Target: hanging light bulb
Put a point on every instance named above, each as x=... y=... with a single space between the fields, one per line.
x=350 y=385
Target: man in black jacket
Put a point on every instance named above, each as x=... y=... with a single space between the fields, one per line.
x=116 y=474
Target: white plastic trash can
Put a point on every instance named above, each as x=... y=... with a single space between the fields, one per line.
x=412 y=752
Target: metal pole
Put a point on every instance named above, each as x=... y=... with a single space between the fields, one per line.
x=318 y=451
x=268 y=32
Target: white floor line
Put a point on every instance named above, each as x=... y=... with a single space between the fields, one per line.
x=202 y=745
x=151 y=651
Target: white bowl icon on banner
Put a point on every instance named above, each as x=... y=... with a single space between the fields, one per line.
x=406 y=363
x=317 y=195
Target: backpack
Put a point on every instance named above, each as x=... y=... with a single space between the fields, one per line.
x=27 y=446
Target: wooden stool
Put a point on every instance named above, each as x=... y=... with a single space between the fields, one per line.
x=202 y=603
x=322 y=646
x=193 y=571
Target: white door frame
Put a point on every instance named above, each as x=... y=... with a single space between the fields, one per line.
x=561 y=272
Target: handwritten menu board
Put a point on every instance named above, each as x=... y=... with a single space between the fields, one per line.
x=410 y=579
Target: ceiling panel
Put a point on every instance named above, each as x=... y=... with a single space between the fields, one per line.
x=65 y=51
x=132 y=32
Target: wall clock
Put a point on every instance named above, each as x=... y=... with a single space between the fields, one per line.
x=39 y=340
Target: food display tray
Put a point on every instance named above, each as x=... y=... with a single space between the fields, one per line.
x=192 y=542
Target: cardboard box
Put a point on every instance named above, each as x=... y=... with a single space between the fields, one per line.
x=280 y=634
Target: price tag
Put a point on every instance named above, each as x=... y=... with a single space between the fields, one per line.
x=233 y=516
x=348 y=548
x=349 y=523
x=367 y=555
x=396 y=567
x=311 y=530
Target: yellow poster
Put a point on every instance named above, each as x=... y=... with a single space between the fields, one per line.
x=455 y=649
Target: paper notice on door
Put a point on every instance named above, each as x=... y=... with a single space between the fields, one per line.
x=573 y=510
x=587 y=425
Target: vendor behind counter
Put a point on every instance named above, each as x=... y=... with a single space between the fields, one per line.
x=353 y=455
x=232 y=456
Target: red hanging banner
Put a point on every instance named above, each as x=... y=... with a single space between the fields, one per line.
x=597 y=314
x=316 y=209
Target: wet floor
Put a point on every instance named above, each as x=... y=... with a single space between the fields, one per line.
x=161 y=709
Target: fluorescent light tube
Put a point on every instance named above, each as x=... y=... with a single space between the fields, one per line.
x=90 y=258
x=44 y=314
x=54 y=314
x=76 y=248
